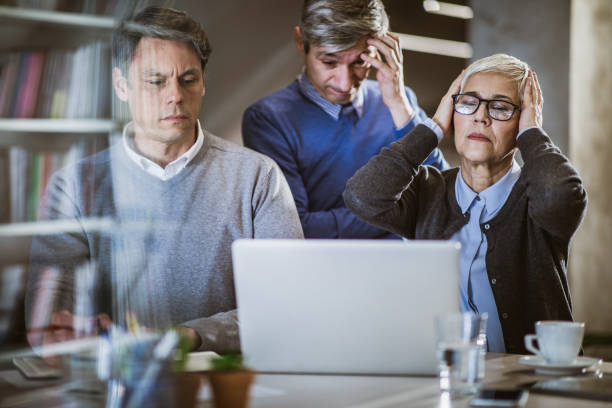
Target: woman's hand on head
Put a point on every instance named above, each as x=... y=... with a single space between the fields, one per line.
x=533 y=102
x=444 y=114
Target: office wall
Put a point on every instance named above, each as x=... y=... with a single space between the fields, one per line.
x=537 y=32
x=591 y=150
x=253 y=55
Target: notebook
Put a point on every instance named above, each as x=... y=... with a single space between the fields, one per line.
x=343 y=306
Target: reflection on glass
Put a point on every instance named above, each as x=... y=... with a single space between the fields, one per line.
x=134 y=230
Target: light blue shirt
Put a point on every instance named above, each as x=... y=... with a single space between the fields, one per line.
x=328 y=107
x=476 y=292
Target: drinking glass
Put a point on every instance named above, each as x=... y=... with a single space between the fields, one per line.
x=461 y=347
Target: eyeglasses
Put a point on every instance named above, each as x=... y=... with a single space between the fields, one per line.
x=496 y=109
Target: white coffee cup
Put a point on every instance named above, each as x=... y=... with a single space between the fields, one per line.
x=559 y=341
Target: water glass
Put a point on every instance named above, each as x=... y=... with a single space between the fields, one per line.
x=461 y=347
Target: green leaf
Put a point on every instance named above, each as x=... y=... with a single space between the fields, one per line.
x=227 y=362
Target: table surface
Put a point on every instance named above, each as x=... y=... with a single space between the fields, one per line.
x=301 y=390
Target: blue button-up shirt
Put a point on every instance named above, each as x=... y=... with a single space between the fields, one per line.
x=476 y=292
x=328 y=107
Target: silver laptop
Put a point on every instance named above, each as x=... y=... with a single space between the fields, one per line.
x=343 y=306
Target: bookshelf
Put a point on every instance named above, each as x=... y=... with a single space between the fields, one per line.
x=55 y=108
x=55 y=91
x=45 y=28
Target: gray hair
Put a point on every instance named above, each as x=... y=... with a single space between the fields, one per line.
x=158 y=22
x=505 y=64
x=340 y=24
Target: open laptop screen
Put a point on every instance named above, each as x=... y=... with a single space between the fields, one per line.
x=343 y=306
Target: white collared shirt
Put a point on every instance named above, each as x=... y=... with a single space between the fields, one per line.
x=163 y=173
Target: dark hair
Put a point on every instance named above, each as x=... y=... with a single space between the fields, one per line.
x=158 y=22
x=340 y=24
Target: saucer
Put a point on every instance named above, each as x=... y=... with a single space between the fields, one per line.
x=542 y=367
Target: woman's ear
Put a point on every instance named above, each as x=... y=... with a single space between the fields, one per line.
x=120 y=84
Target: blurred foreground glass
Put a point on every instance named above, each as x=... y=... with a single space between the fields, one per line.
x=141 y=371
x=461 y=347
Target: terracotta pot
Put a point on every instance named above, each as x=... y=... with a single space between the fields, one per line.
x=170 y=390
x=231 y=388
x=186 y=389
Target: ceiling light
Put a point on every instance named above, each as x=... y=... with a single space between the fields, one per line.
x=435 y=46
x=448 y=9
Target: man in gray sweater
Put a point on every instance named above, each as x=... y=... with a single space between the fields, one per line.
x=174 y=195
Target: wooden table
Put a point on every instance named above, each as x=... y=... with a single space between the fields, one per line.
x=296 y=390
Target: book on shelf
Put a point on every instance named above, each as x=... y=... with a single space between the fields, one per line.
x=4 y=186
x=30 y=172
x=18 y=183
x=57 y=83
x=8 y=79
x=20 y=83
x=33 y=187
x=29 y=81
x=53 y=61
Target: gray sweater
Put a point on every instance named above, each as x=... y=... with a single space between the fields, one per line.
x=528 y=239
x=167 y=256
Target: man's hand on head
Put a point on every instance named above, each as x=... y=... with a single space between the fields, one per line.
x=390 y=76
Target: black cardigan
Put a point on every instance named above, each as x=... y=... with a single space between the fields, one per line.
x=527 y=241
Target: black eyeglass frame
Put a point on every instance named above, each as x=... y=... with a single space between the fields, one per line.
x=487 y=101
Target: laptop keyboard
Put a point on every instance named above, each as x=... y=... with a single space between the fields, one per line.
x=35 y=368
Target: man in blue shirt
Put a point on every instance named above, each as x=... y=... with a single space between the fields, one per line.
x=330 y=121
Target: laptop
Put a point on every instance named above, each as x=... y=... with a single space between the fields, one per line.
x=343 y=306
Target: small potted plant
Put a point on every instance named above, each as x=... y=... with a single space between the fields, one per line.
x=230 y=381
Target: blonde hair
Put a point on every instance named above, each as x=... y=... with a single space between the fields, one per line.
x=505 y=64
